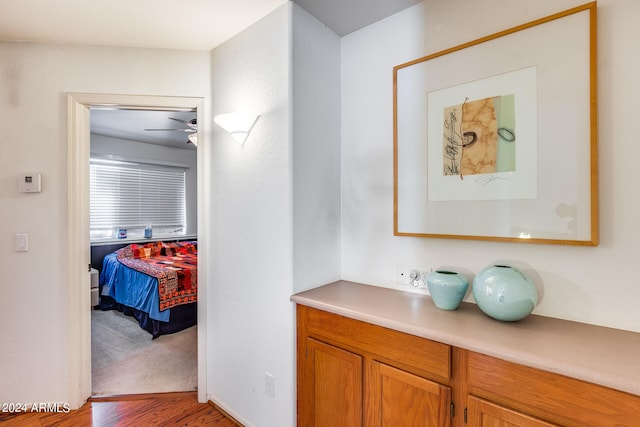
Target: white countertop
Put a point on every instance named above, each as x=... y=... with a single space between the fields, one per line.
x=605 y=356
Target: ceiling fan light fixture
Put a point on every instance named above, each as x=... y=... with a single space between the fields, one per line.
x=193 y=138
x=238 y=125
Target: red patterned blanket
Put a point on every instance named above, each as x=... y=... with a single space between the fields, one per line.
x=175 y=265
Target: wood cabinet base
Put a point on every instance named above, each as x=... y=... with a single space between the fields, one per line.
x=352 y=373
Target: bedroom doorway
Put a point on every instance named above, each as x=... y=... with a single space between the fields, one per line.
x=143 y=168
x=80 y=107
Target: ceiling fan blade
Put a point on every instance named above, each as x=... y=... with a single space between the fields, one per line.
x=193 y=124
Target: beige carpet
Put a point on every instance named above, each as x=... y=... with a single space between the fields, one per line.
x=125 y=360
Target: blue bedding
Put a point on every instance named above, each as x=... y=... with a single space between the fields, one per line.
x=131 y=288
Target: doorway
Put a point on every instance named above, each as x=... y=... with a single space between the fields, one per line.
x=79 y=107
x=143 y=180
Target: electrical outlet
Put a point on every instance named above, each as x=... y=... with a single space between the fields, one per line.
x=269 y=384
x=413 y=276
x=423 y=274
x=418 y=277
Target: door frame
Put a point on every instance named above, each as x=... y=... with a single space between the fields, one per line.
x=79 y=106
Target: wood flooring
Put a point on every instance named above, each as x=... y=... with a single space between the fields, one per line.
x=164 y=409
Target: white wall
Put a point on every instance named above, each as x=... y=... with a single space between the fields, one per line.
x=101 y=144
x=34 y=80
x=276 y=204
x=594 y=285
x=250 y=318
x=316 y=151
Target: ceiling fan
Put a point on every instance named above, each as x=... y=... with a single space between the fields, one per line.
x=191 y=128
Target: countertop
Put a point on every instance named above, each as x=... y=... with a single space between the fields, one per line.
x=600 y=355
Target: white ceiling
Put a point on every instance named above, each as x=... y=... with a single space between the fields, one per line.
x=133 y=125
x=172 y=24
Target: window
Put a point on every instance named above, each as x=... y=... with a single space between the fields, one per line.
x=130 y=196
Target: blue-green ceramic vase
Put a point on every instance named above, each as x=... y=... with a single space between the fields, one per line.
x=447 y=288
x=504 y=293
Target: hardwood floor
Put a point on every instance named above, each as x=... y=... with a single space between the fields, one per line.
x=166 y=409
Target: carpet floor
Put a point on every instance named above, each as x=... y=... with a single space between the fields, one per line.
x=125 y=360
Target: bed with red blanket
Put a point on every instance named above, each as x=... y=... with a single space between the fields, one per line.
x=154 y=282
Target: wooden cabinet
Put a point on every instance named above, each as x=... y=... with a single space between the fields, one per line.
x=545 y=396
x=333 y=386
x=398 y=398
x=352 y=373
x=482 y=413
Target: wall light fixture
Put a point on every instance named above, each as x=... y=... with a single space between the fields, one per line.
x=238 y=125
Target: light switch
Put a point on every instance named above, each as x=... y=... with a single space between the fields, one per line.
x=22 y=242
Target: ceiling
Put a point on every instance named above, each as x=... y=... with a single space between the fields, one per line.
x=347 y=16
x=171 y=24
x=132 y=125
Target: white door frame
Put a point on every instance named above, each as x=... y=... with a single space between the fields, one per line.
x=79 y=252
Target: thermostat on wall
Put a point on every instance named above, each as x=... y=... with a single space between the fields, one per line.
x=31 y=183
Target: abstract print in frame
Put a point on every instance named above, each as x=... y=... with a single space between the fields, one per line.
x=482 y=139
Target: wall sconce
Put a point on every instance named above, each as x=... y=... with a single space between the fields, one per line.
x=238 y=125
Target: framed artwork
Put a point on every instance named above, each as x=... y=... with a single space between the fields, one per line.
x=496 y=139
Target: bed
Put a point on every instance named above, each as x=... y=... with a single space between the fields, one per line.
x=156 y=283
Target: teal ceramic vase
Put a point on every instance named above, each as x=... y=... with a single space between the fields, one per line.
x=447 y=288
x=504 y=293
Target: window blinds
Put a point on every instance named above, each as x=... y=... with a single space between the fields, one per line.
x=131 y=196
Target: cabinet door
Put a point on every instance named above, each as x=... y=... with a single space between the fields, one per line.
x=400 y=399
x=333 y=386
x=482 y=413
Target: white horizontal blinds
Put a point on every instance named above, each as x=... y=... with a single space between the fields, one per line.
x=132 y=196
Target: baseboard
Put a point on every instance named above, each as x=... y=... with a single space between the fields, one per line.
x=225 y=412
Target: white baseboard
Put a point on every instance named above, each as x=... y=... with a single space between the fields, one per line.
x=228 y=412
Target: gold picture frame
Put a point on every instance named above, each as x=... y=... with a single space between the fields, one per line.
x=539 y=79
